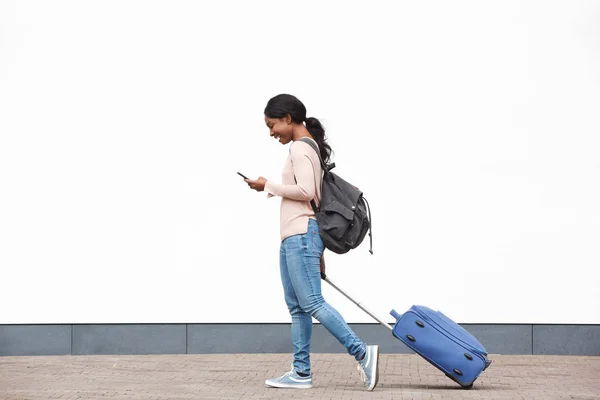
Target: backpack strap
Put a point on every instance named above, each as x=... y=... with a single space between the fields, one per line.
x=323 y=166
x=326 y=168
x=370 y=225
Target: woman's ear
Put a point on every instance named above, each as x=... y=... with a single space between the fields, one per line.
x=288 y=118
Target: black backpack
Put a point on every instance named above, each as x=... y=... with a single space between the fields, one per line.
x=344 y=215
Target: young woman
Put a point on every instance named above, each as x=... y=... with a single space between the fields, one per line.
x=301 y=251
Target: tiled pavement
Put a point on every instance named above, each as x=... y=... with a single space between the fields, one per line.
x=241 y=376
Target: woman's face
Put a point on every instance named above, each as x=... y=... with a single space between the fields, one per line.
x=280 y=128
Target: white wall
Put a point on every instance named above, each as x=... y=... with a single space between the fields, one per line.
x=472 y=128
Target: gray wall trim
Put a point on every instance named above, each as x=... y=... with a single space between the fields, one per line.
x=78 y=339
x=578 y=340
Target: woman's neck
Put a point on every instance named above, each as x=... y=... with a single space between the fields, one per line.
x=301 y=132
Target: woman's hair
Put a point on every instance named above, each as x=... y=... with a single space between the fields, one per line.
x=283 y=104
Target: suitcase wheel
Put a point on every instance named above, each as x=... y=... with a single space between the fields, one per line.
x=422 y=325
x=469 y=386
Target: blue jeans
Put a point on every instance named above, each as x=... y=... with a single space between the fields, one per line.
x=300 y=257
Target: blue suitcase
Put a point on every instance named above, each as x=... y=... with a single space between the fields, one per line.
x=442 y=342
x=436 y=338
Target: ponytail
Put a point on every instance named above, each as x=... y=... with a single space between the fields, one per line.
x=318 y=133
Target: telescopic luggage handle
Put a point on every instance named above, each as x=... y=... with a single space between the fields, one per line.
x=365 y=309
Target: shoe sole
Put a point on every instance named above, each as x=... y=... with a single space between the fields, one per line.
x=374 y=383
x=288 y=385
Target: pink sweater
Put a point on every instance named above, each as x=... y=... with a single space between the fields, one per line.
x=295 y=203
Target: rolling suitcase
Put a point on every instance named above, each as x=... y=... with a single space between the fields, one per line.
x=436 y=338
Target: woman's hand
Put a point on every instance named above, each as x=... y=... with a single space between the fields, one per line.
x=258 y=185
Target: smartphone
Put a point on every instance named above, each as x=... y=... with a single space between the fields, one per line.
x=242 y=175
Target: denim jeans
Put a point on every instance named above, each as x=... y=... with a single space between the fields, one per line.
x=300 y=257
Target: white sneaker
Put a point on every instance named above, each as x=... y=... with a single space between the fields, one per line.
x=369 y=367
x=291 y=380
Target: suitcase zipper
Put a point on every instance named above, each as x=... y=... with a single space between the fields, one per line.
x=448 y=333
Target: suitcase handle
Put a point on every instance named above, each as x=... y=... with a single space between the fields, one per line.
x=365 y=309
x=395 y=315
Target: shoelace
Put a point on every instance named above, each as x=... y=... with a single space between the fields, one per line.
x=363 y=374
x=289 y=372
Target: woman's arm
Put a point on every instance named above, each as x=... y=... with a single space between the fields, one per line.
x=304 y=189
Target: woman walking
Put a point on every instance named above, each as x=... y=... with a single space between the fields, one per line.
x=301 y=250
